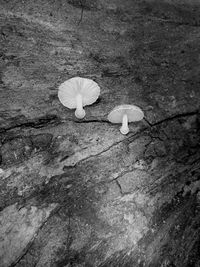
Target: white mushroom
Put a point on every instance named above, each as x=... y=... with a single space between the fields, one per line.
x=125 y=114
x=78 y=92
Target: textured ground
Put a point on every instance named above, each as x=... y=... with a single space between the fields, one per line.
x=78 y=193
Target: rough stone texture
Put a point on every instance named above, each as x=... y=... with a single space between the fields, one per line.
x=78 y=193
x=18 y=227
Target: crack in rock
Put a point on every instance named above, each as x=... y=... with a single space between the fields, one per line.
x=35 y=123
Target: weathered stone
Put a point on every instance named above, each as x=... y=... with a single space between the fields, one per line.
x=120 y=200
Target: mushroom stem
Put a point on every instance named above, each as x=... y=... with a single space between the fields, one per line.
x=124 y=129
x=80 y=112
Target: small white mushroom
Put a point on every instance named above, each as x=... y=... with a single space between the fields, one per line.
x=77 y=92
x=125 y=114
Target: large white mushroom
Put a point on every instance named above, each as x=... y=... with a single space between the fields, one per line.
x=125 y=114
x=78 y=92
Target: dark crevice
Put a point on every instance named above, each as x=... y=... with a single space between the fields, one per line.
x=119 y=185
x=91 y=121
x=179 y=23
x=22 y=256
x=54 y=120
x=177 y=116
x=36 y=123
x=82 y=9
x=150 y=124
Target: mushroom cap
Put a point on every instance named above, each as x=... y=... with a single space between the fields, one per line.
x=87 y=88
x=133 y=112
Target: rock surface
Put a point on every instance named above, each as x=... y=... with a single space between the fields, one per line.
x=77 y=192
